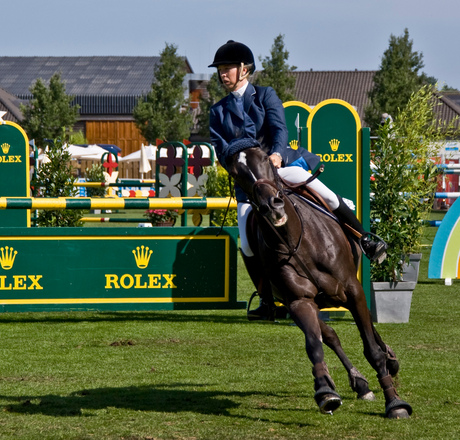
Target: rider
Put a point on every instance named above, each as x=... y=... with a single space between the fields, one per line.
x=250 y=116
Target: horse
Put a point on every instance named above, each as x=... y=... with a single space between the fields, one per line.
x=310 y=263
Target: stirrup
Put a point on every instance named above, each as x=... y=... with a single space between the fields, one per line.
x=264 y=312
x=381 y=253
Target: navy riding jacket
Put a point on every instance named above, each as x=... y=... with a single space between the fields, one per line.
x=262 y=123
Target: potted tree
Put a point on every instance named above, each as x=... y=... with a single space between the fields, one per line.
x=402 y=187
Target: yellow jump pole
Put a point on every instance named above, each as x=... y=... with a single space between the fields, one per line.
x=116 y=203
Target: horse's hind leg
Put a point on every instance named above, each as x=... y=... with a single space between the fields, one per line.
x=358 y=382
x=305 y=315
x=394 y=406
x=392 y=360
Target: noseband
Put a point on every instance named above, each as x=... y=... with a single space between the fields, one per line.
x=280 y=194
x=260 y=182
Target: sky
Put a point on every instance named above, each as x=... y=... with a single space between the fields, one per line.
x=318 y=34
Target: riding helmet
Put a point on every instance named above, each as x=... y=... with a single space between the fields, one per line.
x=233 y=52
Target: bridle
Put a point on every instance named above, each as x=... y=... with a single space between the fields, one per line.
x=291 y=251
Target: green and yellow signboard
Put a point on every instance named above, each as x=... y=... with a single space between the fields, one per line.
x=14 y=171
x=116 y=268
x=332 y=130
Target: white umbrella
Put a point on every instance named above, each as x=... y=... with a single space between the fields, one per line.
x=144 y=166
x=150 y=152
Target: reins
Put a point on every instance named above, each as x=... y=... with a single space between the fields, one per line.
x=292 y=251
x=228 y=206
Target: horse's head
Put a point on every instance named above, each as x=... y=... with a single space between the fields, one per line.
x=252 y=170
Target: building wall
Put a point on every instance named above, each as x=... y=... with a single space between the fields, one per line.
x=123 y=134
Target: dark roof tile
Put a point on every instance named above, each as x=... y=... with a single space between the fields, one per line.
x=83 y=75
x=312 y=87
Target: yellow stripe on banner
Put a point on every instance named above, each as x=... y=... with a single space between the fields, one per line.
x=110 y=300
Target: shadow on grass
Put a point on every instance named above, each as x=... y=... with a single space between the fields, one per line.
x=171 y=398
x=213 y=316
x=237 y=317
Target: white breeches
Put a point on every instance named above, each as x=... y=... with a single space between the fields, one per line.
x=291 y=174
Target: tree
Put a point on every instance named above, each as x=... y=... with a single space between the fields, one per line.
x=164 y=112
x=216 y=91
x=405 y=178
x=49 y=113
x=395 y=81
x=276 y=71
x=55 y=179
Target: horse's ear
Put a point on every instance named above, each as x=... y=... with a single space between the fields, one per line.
x=230 y=165
x=263 y=145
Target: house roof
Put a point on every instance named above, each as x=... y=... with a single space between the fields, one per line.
x=101 y=84
x=448 y=109
x=353 y=87
x=453 y=97
x=312 y=87
x=10 y=104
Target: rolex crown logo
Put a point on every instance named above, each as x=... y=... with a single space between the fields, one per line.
x=294 y=144
x=334 y=143
x=5 y=148
x=142 y=256
x=7 y=256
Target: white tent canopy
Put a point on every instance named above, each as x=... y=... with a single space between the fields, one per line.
x=78 y=152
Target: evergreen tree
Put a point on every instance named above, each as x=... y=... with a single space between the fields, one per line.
x=395 y=81
x=276 y=71
x=55 y=179
x=216 y=91
x=164 y=112
x=49 y=112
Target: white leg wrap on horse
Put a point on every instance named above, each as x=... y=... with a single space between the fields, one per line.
x=297 y=174
x=243 y=210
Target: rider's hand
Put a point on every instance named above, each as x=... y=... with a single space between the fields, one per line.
x=276 y=160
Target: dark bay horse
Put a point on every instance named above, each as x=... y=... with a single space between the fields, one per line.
x=309 y=262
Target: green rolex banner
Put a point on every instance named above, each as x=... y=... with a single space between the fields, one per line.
x=117 y=269
x=334 y=135
x=332 y=130
x=297 y=114
x=14 y=171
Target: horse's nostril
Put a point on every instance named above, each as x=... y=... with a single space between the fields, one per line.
x=276 y=202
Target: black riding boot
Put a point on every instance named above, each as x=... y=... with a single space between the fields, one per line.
x=374 y=250
x=266 y=309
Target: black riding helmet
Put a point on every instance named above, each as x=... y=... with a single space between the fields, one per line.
x=233 y=52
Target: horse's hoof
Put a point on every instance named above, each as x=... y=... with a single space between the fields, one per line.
x=398 y=409
x=370 y=396
x=328 y=400
x=398 y=413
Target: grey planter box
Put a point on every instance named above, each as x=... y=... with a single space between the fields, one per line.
x=410 y=270
x=391 y=302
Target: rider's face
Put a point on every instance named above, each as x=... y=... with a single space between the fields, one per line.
x=229 y=74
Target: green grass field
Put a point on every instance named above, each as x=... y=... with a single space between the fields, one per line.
x=213 y=375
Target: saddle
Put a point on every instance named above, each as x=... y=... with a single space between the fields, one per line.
x=311 y=197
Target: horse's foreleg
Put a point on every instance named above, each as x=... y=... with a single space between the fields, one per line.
x=358 y=382
x=376 y=356
x=305 y=314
